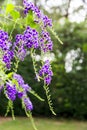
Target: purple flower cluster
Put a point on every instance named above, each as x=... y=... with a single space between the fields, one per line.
x=46 y=42
x=11 y=91
x=46 y=72
x=28 y=103
x=4 y=40
x=20 y=89
x=18 y=78
x=29 y=39
x=47 y=21
x=19 y=47
x=30 y=6
x=5 y=48
x=7 y=57
x=22 y=86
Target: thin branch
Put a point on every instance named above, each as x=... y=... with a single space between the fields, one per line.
x=67 y=10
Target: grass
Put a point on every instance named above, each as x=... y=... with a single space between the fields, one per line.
x=42 y=124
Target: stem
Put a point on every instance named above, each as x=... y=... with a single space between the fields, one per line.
x=16 y=64
x=36 y=95
x=49 y=99
x=32 y=121
x=29 y=114
x=12 y=111
x=34 y=64
x=8 y=109
x=56 y=36
x=13 y=28
x=10 y=19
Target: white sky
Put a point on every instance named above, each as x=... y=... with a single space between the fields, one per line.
x=74 y=5
x=76 y=17
x=71 y=57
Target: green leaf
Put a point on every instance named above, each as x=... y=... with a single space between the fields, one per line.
x=15 y=14
x=9 y=8
x=10 y=75
x=29 y=19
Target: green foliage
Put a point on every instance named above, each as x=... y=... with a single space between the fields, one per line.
x=15 y=14
x=9 y=8
x=70 y=89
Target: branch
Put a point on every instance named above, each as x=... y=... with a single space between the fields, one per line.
x=67 y=10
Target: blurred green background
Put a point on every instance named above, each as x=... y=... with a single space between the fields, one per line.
x=69 y=64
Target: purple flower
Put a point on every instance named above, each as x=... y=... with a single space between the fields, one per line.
x=21 y=54
x=19 y=79
x=46 y=69
x=47 y=80
x=30 y=6
x=20 y=94
x=46 y=72
x=45 y=42
x=21 y=90
x=29 y=39
x=19 y=46
x=7 y=57
x=19 y=38
x=28 y=104
x=5 y=46
x=47 y=21
x=11 y=91
x=26 y=87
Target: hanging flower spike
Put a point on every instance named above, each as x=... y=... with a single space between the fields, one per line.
x=29 y=39
x=22 y=86
x=41 y=17
x=28 y=104
x=46 y=72
x=30 y=6
x=11 y=91
x=18 y=78
x=5 y=46
x=47 y=21
x=46 y=43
